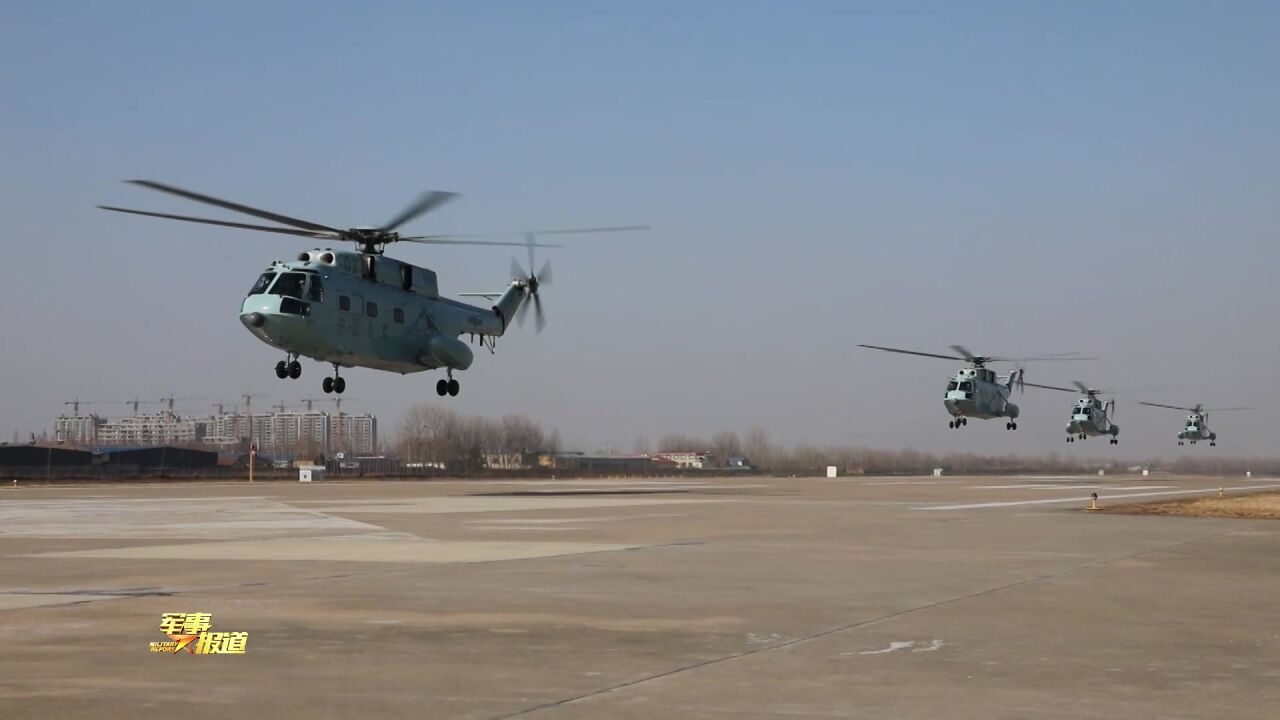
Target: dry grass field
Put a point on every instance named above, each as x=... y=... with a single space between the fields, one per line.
x=1260 y=506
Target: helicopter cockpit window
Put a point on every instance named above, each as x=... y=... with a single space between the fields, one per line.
x=289 y=284
x=966 y=386
x=315 y=291
x=951 y=386
x=264 y=282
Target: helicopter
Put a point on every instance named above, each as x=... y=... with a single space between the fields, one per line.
x=1197 y=427
x=976 y=391
x=364 y=309
x=1090 y=416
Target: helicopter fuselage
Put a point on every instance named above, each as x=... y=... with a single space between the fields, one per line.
x=975 y=392
x=1196 y=429
x=1089 y=418
x=367 y=310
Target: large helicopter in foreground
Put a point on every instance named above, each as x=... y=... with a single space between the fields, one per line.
x=363 y=309
x=976 y=391
x=1197 y=427
x=1090 y=416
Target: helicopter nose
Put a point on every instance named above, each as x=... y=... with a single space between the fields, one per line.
x=253 y=319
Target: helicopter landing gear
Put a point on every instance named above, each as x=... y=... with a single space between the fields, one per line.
x=958 y=422
x=1213 y=443
x=1011 y=425
x=335 y=384
x=448 y=387
x=290 y=368
x=1115 y=441
x=1179 y=442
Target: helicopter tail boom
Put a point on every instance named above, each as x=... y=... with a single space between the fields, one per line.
x=507 y=305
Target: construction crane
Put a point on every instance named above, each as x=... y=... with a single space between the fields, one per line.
x=75 y=404
x=171 y=399
x=310 y=400
x=135 y=402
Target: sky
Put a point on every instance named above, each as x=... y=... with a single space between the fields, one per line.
x=1018 y=178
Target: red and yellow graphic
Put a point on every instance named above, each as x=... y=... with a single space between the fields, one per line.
x=191 y=631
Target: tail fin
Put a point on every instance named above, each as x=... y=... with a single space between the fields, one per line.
x=1015 y=379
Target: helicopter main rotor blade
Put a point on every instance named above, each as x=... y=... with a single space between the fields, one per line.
x=1171 y=407
x=912 y=352
x=1045 y=358
x=429 y=201
x=523 y=233
x=1226 y=409
x=1083 y=388
x=228 y=205
x=224 y=223
x=964 y=352
x=1048 y=387
x=449 y=240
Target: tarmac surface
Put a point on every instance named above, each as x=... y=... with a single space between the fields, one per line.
x=947 y=597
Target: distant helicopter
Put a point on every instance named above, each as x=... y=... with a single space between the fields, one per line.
x=1090 y=416
x=363 y=309
x=1197 y=427
x=976 y=391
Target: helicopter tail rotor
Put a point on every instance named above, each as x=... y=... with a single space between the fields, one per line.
x=533 y=284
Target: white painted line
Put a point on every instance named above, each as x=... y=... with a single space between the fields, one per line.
x=913 y=482
x=1072 y=487
x=1086 y=498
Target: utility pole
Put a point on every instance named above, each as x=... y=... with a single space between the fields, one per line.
x=248 y=411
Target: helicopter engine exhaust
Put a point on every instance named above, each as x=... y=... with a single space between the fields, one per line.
x=447 y=352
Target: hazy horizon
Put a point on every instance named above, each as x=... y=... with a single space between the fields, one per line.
x=1019 y=179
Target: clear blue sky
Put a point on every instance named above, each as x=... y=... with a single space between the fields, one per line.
x=1016 y=177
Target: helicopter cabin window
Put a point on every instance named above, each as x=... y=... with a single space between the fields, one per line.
x=371 y=309
x=289 y=285
x=397 y=315
x=264 y=282
x=344 y=303
x=315 y=291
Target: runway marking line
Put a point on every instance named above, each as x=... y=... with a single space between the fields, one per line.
x=1086 y=498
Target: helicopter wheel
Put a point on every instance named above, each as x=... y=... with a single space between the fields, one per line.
x=454 y=388
x=1213 y=444
x=339 y=385
x=442 y=387
x=295 y=370
x=327 y=385
x=282 y=370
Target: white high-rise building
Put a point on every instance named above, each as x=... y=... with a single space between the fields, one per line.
x=77 y=429
x=149 y=429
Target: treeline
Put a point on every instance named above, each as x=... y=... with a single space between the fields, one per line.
x=441 y=437
x=438 y=437
x=805 y=459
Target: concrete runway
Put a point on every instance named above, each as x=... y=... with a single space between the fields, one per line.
x=737 y=597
